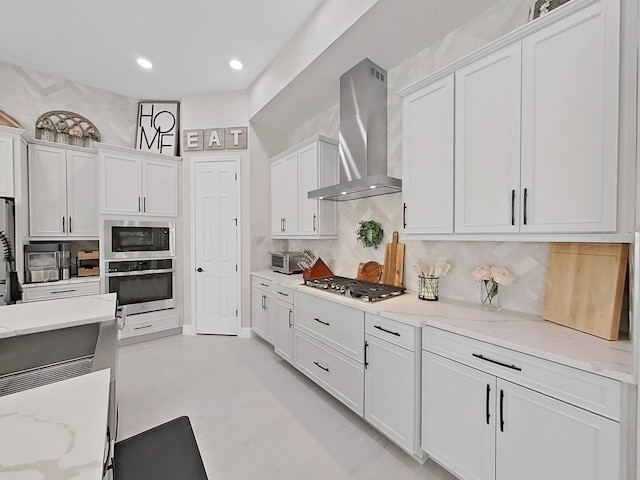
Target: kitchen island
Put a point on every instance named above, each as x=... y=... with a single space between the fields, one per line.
x=56 y=431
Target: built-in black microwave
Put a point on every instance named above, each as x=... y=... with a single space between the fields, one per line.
x=133 y=239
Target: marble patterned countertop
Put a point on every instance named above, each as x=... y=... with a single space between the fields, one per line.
x=521 y=332
x=71 y=281
x=55 y=431
x=25 y=318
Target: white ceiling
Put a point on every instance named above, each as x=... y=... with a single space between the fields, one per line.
x=189 y=42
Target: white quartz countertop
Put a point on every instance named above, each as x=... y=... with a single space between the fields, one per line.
x=517 y=331
x=71 y=281
x=56 y=431
x=25 y=318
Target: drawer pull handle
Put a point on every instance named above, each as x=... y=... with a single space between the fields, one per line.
x=482 y=357
x=487 y=405
x=320 y=321
x=264 y=284
x=284 y=294
x=366 y=360
x=386 y=331
x=501 y=410
x=320 y=366
x=140 y=328
x=63 y=291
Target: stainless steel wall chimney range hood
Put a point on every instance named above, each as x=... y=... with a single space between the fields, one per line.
x=363 y=137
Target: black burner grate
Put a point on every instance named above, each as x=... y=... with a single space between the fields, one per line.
x=367 y=291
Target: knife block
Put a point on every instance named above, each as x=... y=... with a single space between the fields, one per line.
x=319 y=269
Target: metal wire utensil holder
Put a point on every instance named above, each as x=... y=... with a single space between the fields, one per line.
x=428 y=288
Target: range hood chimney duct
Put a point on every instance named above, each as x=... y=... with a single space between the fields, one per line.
x=363 y=137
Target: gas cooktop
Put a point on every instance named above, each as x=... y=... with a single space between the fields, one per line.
x=367 y=291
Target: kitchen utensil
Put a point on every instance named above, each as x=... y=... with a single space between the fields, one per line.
x=585 y=285
x=369 y=272
x=393 y=269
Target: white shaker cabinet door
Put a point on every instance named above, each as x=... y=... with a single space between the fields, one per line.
x=160 y=188
x=540 y=437
x=284 y=329
x=570 y=76
x=121 y=177
x=259 y=312
x=308 y=180
x=427 y=158
x=47 y=191
x=487 y=166
x=82 y=201
x=284 y=178
x=459 y=417
x=6 y=167
x=390 y=391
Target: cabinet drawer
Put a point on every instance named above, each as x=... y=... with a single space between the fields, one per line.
x=338 y=374
x=335 y=325
x=53 y=292
x=592 y=392
x=283 y=293
x=391 y=331
x=148 y=322
x=262 y=284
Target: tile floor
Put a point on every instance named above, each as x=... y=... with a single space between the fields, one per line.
x=254 y=416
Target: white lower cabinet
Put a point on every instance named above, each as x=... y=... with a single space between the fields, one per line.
x=54 y=291
x=283 y=313
x=260 y=303
x=481 y=426
x=151 y=322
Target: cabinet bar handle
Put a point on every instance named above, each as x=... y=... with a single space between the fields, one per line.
x=482 y=357
x=320 y=366
x=264 y=302
x=513 y=207
x=501 y=410
x=138 y=203
x=144 y=204
x=487 y=404
x=386 y=331
x=140 y=328
x=264 y=284
x=524 y=209
x=63 y=226
x=366 y=348
x=284 y=294
x=314 y=222
x=70 y=229
x=404 y=215
x=63 y=291
x=320 y=321
x=290 y=321
x=284 y=228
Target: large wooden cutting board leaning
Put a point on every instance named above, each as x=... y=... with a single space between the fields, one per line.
x=393 y=268
x=585 y=286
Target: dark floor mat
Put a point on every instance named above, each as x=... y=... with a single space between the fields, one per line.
x=166 y=452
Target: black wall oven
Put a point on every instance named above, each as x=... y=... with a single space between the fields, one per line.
x=142 y=285
x=133 y=239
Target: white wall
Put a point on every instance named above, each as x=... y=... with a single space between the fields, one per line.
x=527 y=261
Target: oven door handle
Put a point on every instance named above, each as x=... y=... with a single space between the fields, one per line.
x=141 y=272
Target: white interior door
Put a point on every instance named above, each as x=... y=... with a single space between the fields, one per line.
x=215 y=255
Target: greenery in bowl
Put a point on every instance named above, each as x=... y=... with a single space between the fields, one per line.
x=370 y=233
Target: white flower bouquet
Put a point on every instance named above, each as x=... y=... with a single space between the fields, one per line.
x=490 y=277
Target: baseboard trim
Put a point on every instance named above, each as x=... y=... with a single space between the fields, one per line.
x=246 y=332
x=149 y=336
x=188 y=330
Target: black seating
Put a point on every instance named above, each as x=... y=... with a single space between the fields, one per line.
x=166 y=452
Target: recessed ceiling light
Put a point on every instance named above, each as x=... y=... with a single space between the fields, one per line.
x=372 y=186
x=235 y=64
x=144 y=63
x=343 y=193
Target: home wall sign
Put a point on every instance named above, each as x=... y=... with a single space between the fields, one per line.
x=228 y=138
x=157 y=127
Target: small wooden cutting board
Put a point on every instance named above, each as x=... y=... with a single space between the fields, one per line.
x=585 y=285
x=369 y=272
x=393 y=268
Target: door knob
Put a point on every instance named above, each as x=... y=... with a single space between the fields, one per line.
x=199 y=270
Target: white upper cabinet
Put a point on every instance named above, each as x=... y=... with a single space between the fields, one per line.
x=487 y=143
x=6 y=165
x=62 y=192
x=427 y=158
x=570 y=76
x=133 y=183
x=308 y=166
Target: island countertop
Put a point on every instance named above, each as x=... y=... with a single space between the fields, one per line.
x=517 y=331
x=25 y=318
x=55 y=431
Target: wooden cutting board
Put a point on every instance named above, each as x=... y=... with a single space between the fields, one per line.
x=393 y=268
x=585 y=286
x=369 y=272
